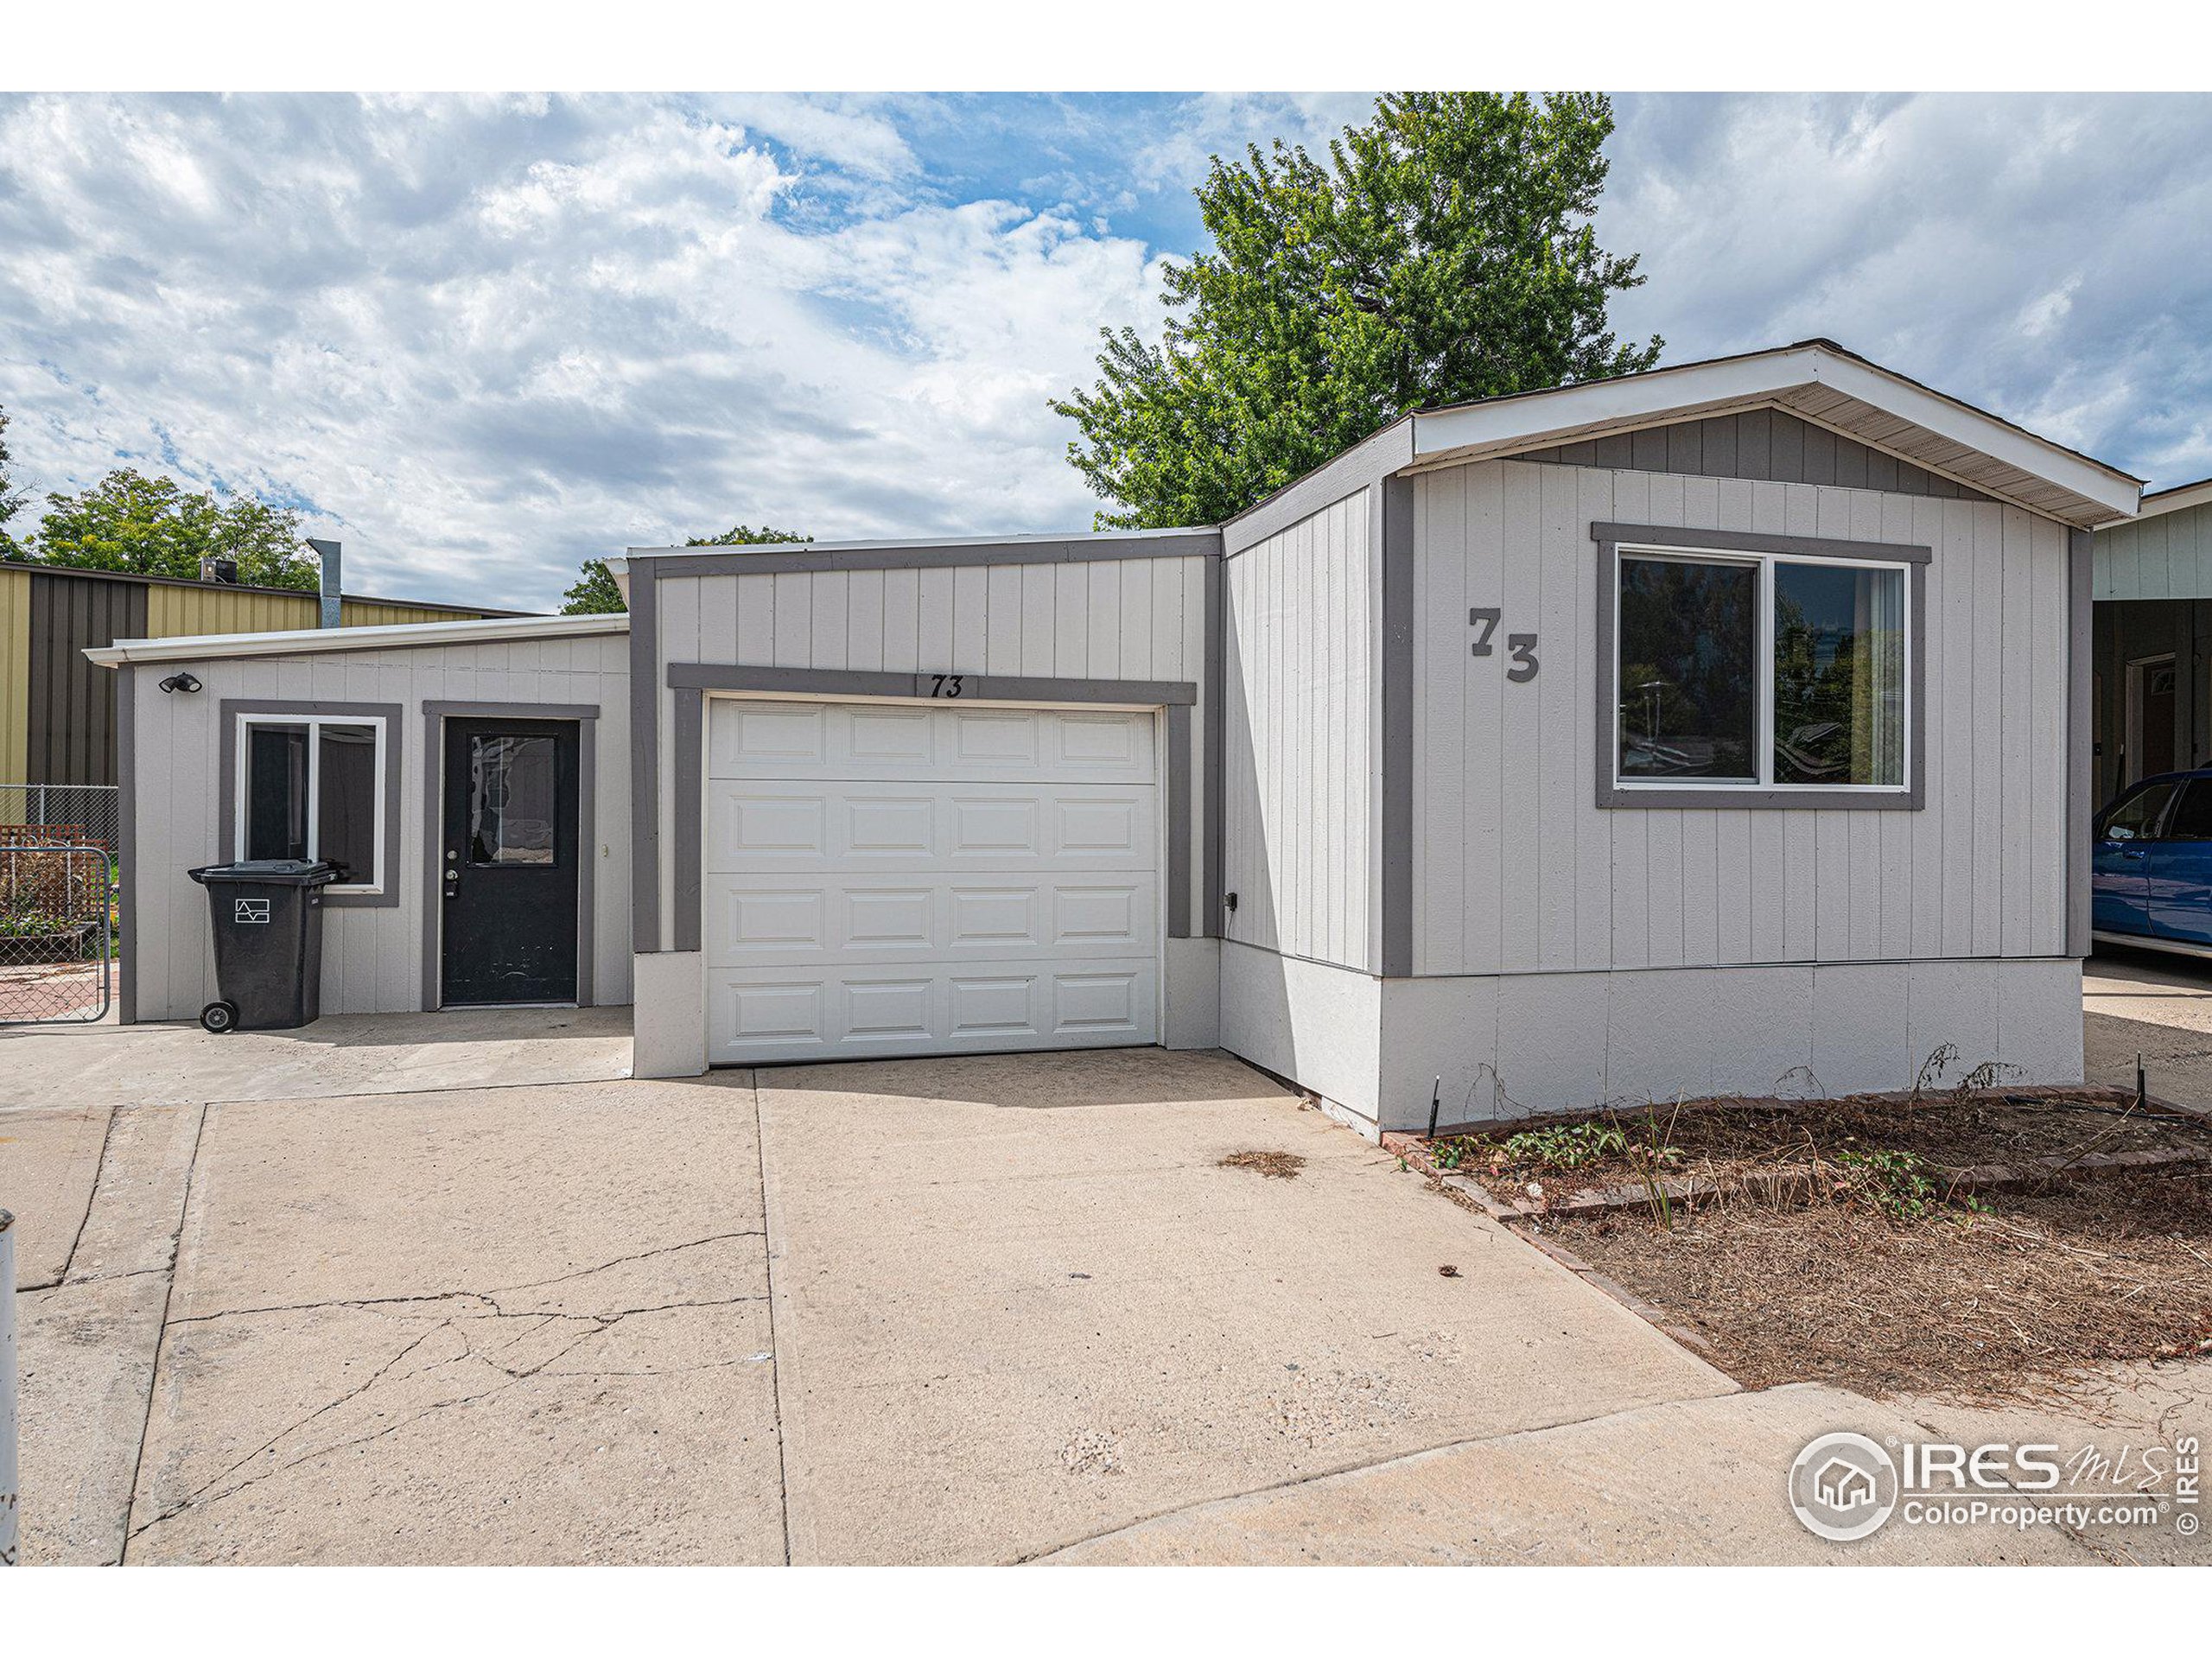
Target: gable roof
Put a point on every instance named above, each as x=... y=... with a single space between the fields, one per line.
x=1816 y=381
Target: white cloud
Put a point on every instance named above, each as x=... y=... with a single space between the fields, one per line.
x=2041 y=256
x=488 y=338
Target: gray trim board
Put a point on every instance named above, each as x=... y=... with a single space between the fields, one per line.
x=1396 y=518
x=1723 y=797
x=1178 y=831
x=126 y=851
x=695 y=561
x=1366 y=463
x=692 y=680
x=690 y=827
x=2081 y=740
x=512 y=710
x=391 y=714
x=1213 y=916
x=585 y=714
x=974 y=687
x=645 y=760
x=1749 y=541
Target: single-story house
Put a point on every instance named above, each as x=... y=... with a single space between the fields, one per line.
x=1719 y=728
x=2152 y=654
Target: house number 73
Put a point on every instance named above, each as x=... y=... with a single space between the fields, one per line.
x=1484 y=621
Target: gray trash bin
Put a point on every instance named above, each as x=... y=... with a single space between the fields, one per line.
x=268 y=919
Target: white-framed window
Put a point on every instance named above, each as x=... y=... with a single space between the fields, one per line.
x=313 y=786
x=1752 y=670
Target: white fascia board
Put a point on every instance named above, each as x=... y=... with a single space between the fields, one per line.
x=1643 y=399
x=619 y=569
x=2092 y=480
x=296 y=642
x=1631 y=400
x=2177 y=499
x=894 y=544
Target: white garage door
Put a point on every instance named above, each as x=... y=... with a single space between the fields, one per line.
x=888 y=880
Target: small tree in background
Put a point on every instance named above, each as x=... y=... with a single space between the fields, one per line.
x=155 y=527
x=10 y=497
x=1442 y=253
x=596 y=594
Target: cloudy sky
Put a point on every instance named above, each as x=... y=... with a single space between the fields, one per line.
x=480 y=341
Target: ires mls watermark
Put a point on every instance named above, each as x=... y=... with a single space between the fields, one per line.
x=1847 y=1486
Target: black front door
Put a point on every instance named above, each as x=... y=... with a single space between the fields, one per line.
x=510 y=870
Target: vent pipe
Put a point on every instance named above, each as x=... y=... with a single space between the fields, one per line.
x=327 y=552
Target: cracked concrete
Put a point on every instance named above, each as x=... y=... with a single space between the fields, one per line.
x=498 y=1325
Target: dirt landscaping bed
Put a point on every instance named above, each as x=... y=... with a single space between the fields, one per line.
x=1980 y=1242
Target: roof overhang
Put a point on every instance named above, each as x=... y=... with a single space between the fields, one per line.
x=1817 y=381
x=300 y=642
x=2176 y=499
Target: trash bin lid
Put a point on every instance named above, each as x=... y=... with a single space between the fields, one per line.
x=283 y=871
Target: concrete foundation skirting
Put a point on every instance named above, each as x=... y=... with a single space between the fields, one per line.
x=1516 y=1045
x=669 y=1023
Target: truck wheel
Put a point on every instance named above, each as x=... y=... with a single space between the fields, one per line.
x=220 y=1017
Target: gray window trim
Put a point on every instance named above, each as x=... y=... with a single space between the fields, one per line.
x=434 y=713
x=227 y=779
x=691 y=681
x=1611 y=797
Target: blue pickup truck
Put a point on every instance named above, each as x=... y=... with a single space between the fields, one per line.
x=2151 y=870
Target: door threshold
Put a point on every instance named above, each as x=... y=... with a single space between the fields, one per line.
x=470 y=1008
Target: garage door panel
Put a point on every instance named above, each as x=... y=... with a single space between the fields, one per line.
x=888 y=917
x=806 y=919
x=765 y=1016
x=913 y=880
x=752 y=827
x=885 y=742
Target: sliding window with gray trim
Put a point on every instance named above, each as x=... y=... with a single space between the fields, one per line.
x=1667 y=699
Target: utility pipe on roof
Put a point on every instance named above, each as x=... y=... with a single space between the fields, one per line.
x=327 y=552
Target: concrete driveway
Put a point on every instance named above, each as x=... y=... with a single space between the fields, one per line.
x=462 y=1295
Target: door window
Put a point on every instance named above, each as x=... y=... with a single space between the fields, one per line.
x=512 y=783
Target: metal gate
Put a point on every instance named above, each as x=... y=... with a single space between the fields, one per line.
x=57 y=933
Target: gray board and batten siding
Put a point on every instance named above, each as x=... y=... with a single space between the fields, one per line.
x=1762 y=445
x=2164 y=556
x=1520 y=870
x=374 y=958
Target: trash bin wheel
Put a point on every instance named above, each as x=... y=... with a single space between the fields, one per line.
x=220 y=1017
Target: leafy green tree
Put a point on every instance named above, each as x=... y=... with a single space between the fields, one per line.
x=10 y=498
x=156 y=527
x=596 y=594
x=1443 y=252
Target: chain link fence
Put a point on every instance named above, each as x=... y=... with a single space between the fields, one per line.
x=59 y=845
